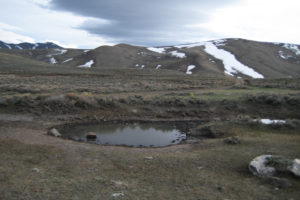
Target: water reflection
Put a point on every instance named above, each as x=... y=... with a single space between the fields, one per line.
x=132 y=134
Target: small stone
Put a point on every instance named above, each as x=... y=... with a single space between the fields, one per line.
x=100 y=179
x=117 y=183
x=148 y=158
x=199 y=167
x=134 y=110
x=54 y=132
x=220 y=189
x=91 y=136
x=36 y=170
x=119 y=194
x=232 y=140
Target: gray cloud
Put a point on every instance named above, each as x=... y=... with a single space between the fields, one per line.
x=143 y=22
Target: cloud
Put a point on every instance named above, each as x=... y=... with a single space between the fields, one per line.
x=268 y=20
x=143 y=22
x=8 y=33
x=28 y=19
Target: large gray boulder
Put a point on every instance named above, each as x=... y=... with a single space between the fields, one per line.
x=258 y=166
x=268 y=165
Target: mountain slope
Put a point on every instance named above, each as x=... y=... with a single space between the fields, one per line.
x=26 y=45
x=228 y=57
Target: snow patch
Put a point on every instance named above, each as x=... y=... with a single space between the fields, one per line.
x=52 y=60
x=211 y=60
x=178 y=54
x=220 y=42
x=19 y=47
x=293 y=48
x=232 y=66
x=143 y=66
x=86 y=50
x=198 y=44
x=8 y=46
x=141 y=53
x=189 y=45
x=190 y=68
x=157 y=49
x=281 y=54
x=68 y=60
x=137 y=65
x=35 y=46
x=158 y=66
x=87 y=64
x=60 y=52
x=275 y=121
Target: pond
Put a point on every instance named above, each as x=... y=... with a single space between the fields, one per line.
x=126 y=134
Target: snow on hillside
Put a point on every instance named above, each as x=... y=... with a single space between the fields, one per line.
x=87 y=64
x=52 y=60
x=190 y=68
x=178 y=54
x=157 y=49
x=68 y=60
x=270 y=121
x=8 y=46
x=231 y=64
x=293 y=48
x=35 y=46
x=158 y=66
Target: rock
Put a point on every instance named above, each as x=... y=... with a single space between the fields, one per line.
x=91 y=136
x=279 y=182
x=232 y=140
x=99 y=179
x=119 y=183
x=54 y=132
x=280 y=163
x=258 y=166
x=148 y=158
x=295 y=167
x=119 y=194
x=37 y=170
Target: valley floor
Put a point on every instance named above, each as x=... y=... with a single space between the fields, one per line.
x=34 y=165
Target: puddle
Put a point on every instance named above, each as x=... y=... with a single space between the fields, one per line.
x=133 y=134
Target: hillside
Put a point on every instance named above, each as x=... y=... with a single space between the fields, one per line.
x=231 y=57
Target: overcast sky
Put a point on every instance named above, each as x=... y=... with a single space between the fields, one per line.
x=91 y=23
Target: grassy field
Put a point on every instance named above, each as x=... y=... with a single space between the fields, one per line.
x=34 y=165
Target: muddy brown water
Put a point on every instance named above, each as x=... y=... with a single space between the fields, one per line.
x=127 y=134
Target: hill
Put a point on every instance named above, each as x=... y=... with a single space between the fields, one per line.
x=227 y=57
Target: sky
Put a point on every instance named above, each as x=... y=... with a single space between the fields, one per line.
x=92 y=23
